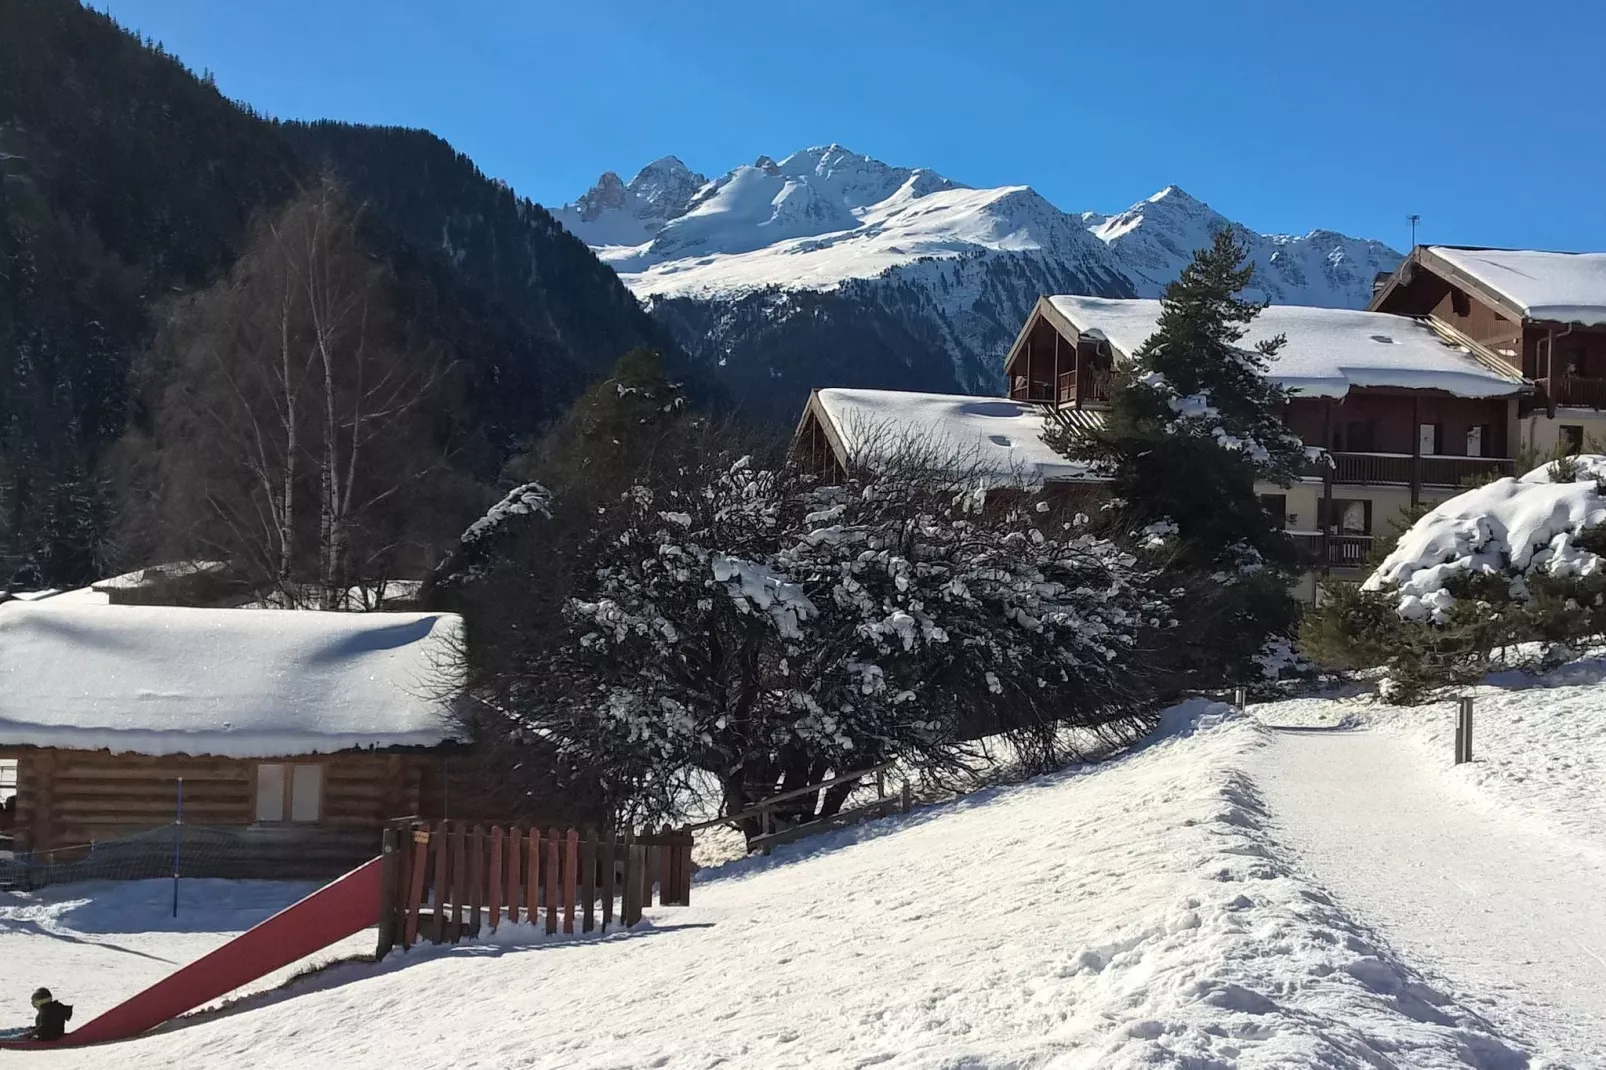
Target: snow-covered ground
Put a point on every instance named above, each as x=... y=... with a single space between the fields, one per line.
x=96 y=943
x=1134 y=914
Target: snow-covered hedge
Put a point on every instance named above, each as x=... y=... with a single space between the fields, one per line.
x=1502 y=574
x=1514 y=529
x=727 y=620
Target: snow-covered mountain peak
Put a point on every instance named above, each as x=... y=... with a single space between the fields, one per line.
x=968 y=263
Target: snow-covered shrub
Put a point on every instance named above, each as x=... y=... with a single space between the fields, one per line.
x=722 y=618
x=1488 y=572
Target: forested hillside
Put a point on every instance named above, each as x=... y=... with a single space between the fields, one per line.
x=126 y=182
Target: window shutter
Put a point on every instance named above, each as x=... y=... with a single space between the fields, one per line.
x=270 y=792
x=306 y=793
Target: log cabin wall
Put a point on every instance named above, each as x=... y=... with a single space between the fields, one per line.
x=68 y=798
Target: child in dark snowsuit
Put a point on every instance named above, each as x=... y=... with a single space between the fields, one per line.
x=50 y=1023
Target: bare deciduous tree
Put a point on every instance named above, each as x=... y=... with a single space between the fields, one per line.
x=293 y=427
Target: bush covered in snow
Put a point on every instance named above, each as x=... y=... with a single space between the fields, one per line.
x=722 y=617
x=1504 y=571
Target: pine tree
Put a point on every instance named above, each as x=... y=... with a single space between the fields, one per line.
x=1194 y=424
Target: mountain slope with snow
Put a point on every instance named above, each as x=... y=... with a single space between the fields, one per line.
x=887 y=251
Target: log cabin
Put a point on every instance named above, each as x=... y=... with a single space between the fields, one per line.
x=1542 y=314
x=1399 y=411
x=300 y=734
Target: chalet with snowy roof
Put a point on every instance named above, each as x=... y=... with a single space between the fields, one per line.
x=1403 y=409
x=297 y=735
x=1541 y=314
x=1406 y=412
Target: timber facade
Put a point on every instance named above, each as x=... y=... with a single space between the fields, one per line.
x=1566 y=362
x=298 y=815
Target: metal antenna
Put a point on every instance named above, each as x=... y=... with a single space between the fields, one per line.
x=1414 y=219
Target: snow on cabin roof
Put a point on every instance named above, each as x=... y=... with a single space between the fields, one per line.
x=1566 y=287
x=1001 y=437
x=172 y=570
x=1329 y=350
x=237 y=683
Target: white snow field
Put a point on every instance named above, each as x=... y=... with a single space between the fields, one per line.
x=1134 y=914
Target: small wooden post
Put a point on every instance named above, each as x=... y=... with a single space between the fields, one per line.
x=1240 y=698
x=493 y=879
x=389 y=874
x=442 y=873
x=588 y=881
x=532 y=880
x=513 y=854
x=609 y=856
x=553 y=871
x=764 y=828
x=906 y=799
x=1463 y=732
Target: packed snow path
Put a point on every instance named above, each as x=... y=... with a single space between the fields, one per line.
x=1505 y=912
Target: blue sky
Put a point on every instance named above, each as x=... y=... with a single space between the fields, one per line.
x=1485 y=118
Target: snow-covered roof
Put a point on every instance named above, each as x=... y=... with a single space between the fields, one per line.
x=1001 y=438
x=1328 y=350
x=172 y=570
x=1567 y=287
x=237 y=683
x=1509 y=527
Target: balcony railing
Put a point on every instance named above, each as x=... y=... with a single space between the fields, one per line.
x=1574 y=391
x=1395 y=469
x=1333 y=551
x=1032 y=390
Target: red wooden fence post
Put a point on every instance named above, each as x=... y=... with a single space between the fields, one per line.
x=532 y=880
x=514 y=856
x=588 y=881
x=571 y=879
x=608 y=854
x=415 y=888
x=442 y=873
x=552 y=875
x=493 y=879
x=476 y=879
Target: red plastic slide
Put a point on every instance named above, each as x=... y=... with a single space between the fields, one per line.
x=335 y=911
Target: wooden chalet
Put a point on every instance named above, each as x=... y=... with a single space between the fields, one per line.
x=1400 y=410
x=1541 y=314
x=299 y=733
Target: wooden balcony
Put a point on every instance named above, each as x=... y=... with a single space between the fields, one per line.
x=1040 y=390
x=1397 y=469
x=1326 y=551
x=1574 y=391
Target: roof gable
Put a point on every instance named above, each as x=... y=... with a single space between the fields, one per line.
x=1537 y=285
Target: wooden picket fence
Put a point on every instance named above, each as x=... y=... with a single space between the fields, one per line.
x=444 y=881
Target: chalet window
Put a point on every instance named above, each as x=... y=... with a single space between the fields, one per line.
x=1542 y=358
x=1572 y=438
x=1347 y=516
x=1460 y=304
x=1277 y=506
x=289 y=794
x=1430 y=439
x=1478 y=441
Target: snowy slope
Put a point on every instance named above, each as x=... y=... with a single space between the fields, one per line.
x=1132 y=915
x=826 y=218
